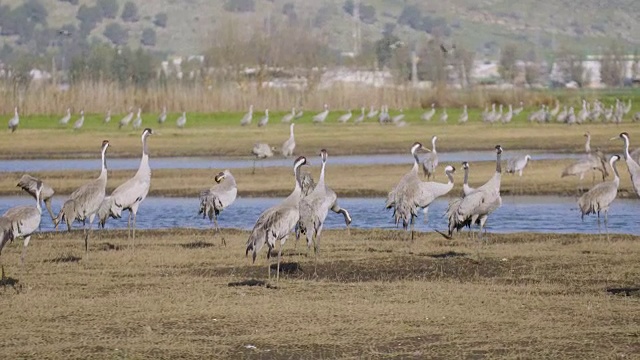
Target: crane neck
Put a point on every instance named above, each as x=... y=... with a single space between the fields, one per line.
x=291 y=131
x=416 y=162
x=433 y=142
x=450 y=176
x=626 y=148
x=38 y=206
x=145 y=148
x=322 y=172
x=498 y=165
x=616 y=177
x=587 y=145
x=466 y=176
x=103 y=172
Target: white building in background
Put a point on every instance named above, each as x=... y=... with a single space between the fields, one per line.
x=592 y=65
x=355 y=77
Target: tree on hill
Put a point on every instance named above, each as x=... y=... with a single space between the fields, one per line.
x=117 y=34
x=130 y=12
x=240 y=5
x=148 y=37
x=109 y=8
x=160 y=20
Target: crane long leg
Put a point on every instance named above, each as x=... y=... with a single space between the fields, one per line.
x=134 y=230
x=279 y=257
x=316 y=247
x=606 y=223
x=24 y=250
x=129 y=225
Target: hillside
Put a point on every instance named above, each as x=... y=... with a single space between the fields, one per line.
x=481 y=25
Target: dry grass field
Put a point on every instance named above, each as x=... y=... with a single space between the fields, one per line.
x=539 y=178
x=375 y=296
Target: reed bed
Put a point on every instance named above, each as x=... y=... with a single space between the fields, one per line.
x=98 y=97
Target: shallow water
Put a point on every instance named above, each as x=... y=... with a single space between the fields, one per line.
x=544 y=214
x=237 y=163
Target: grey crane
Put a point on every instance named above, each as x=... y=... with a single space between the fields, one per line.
x=506 y=118
x=476 y=207
x=373 y=112
x=137 y=123
x=452 y=208
x=592 y=162
x=288 y=117
x=218 y=197
x=519 y=109
x=314 y=209
x=6 y=235
x=397 y=119
x=299 y=114
x=632 y=164
x=396 y=198
x=130 y=194
x=275 y=223
x=428 y=191
x=345 y=117
x=636 y=117
x=246 y=119
x=25 y=220
x=14 y=121
x=29 y=184
x=261 y=151
x=411 y=176
x=65 y=119
x=321 y=116
x=464 y=117
x=600 y=197
x=290 y=144
x=78 y=124
x=107 y=117
x=163 y=116
x=84 y=202
x=444 y=116
x=360 y=117
x=429 y=114
x=430 y=162
x=517 y=164
x=182 y=120
x=265 y=119
x=126 y=119
x=635 y=155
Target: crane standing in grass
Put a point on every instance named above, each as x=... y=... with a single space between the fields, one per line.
x=218 y=198
x=83 y=204
x=29 y=184
x=290 y=144
x=275 y=223
x=314 y=209
x=430 y=162
x=476 y=207
x=25 y=220
x=14 y=121
x=130 y=194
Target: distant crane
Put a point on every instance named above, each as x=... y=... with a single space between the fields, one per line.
x=288 y=117
x=182 y=120
x=65 y=119
x=14 y=121
x=322 y=116
x=261 y=151
x=78 y=124
x=246 y=119
x=163 y=116
x=265 y=119
x=429 y=114
x=126 y=119
x=290 y=144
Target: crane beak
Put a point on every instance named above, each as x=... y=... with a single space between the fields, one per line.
x=614 y=138
x=426 y=149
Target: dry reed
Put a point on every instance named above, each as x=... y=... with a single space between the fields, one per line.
x=98 y=97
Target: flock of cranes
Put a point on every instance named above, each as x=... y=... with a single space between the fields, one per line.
x=590 y=112
x=304 y=211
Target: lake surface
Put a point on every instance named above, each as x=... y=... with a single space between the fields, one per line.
x=247 y=162
x=543 y=214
